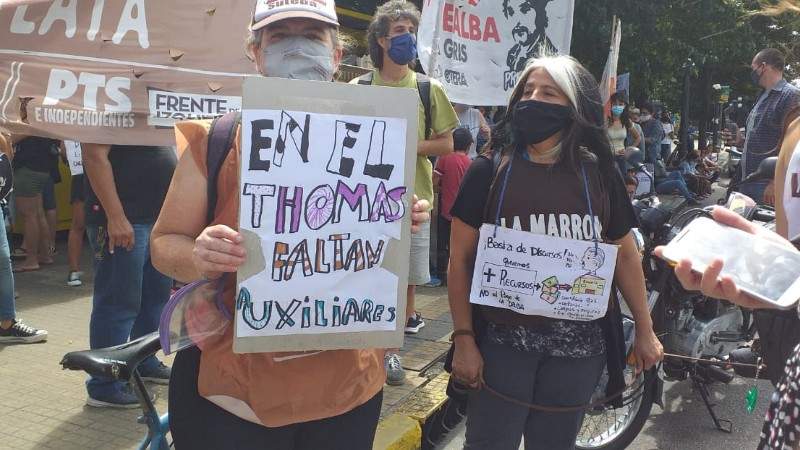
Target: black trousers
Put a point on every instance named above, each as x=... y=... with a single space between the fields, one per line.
x=196 y=423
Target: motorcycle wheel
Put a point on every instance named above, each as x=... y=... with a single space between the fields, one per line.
x=606 y=428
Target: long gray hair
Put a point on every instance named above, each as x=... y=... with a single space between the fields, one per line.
x=587 y=127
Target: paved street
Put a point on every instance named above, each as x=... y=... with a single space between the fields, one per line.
x=685 y=424
x=42 y=406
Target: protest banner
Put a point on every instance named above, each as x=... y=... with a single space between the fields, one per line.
x=326 y=186
x=120 y=72
x=478 y=48
x=543 y=275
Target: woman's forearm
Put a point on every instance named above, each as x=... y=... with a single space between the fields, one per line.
x=629 y=279
x=172 y=256
x=459 y=277
x=463 y=249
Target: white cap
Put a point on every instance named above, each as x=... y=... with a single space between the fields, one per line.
x=269 y=11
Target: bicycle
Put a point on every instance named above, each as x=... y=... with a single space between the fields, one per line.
x=120 y=363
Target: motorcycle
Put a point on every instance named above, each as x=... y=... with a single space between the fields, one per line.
x=699 y=333
x=729 y=158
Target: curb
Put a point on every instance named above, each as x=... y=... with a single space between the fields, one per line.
x=419 y=420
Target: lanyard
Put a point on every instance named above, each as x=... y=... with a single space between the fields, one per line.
x=585 y=191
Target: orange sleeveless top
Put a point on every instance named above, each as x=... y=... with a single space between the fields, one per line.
x=273 y=389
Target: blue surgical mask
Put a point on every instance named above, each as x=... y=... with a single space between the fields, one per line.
x=403 y=49
x=617 y=110
x=298 y=58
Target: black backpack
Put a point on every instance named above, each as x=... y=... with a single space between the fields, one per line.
x=424 y=90
x=220 y=138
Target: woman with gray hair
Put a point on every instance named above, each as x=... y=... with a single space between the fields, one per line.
x=556 y=161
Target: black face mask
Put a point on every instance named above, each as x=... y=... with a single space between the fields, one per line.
x=755 y=78
x=538 y=121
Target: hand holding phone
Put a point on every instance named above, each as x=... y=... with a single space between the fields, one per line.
x=762 y=268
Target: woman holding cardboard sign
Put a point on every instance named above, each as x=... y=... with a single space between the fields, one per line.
x=555 y=212
x=219 y=399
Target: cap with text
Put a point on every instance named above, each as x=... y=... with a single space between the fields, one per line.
x=270 y=11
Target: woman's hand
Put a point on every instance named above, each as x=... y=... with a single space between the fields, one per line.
x=218 y=249
x=710 y=283
x=467 y=362
x=647 y=349
x=769 y=193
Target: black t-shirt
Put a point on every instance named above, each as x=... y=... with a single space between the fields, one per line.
x=141 y=176
x=548 y=200
x=618 y=216
x=37 y=153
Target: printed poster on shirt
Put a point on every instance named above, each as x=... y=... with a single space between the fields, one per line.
x=477 y=48
x=542 y=275
x=119 y=72
x=326 y=187
x=74 y=157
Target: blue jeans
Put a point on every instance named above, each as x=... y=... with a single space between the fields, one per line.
x=666 y=150
x=129 y=294
x=674 y=181
x=653 y=153
x=8 y=310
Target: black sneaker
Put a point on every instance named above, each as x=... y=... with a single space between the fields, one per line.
x=124 y=398
x=74 y=278
x=19 y=332
x=159 y=375
x=415 y=323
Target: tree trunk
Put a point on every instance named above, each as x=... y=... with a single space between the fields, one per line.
x=706 y=77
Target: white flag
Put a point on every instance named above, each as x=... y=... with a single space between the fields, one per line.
x=477 y=48
x=608 y=84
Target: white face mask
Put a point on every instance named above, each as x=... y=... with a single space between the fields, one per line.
x=646 y=118
x=298 y=58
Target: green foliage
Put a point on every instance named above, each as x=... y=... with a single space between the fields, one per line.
x=715 y=40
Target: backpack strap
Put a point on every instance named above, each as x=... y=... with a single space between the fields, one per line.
x=424 y=90
x=220 y=138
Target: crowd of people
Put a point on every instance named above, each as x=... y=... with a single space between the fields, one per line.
x=144 y=211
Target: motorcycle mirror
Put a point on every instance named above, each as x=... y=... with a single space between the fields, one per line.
x=765 y=171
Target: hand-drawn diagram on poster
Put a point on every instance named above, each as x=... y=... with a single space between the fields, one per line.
x=326 y=196
x=542 y=275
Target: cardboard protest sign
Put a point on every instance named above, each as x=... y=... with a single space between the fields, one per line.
x=478 y=48
x=74 y=157
x=537 y=274
x=326 y=188
x=120 y=72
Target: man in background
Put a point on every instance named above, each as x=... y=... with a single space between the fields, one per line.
x=764 y=123
x=392 y=38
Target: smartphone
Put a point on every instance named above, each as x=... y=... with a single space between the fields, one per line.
x=763 y=269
